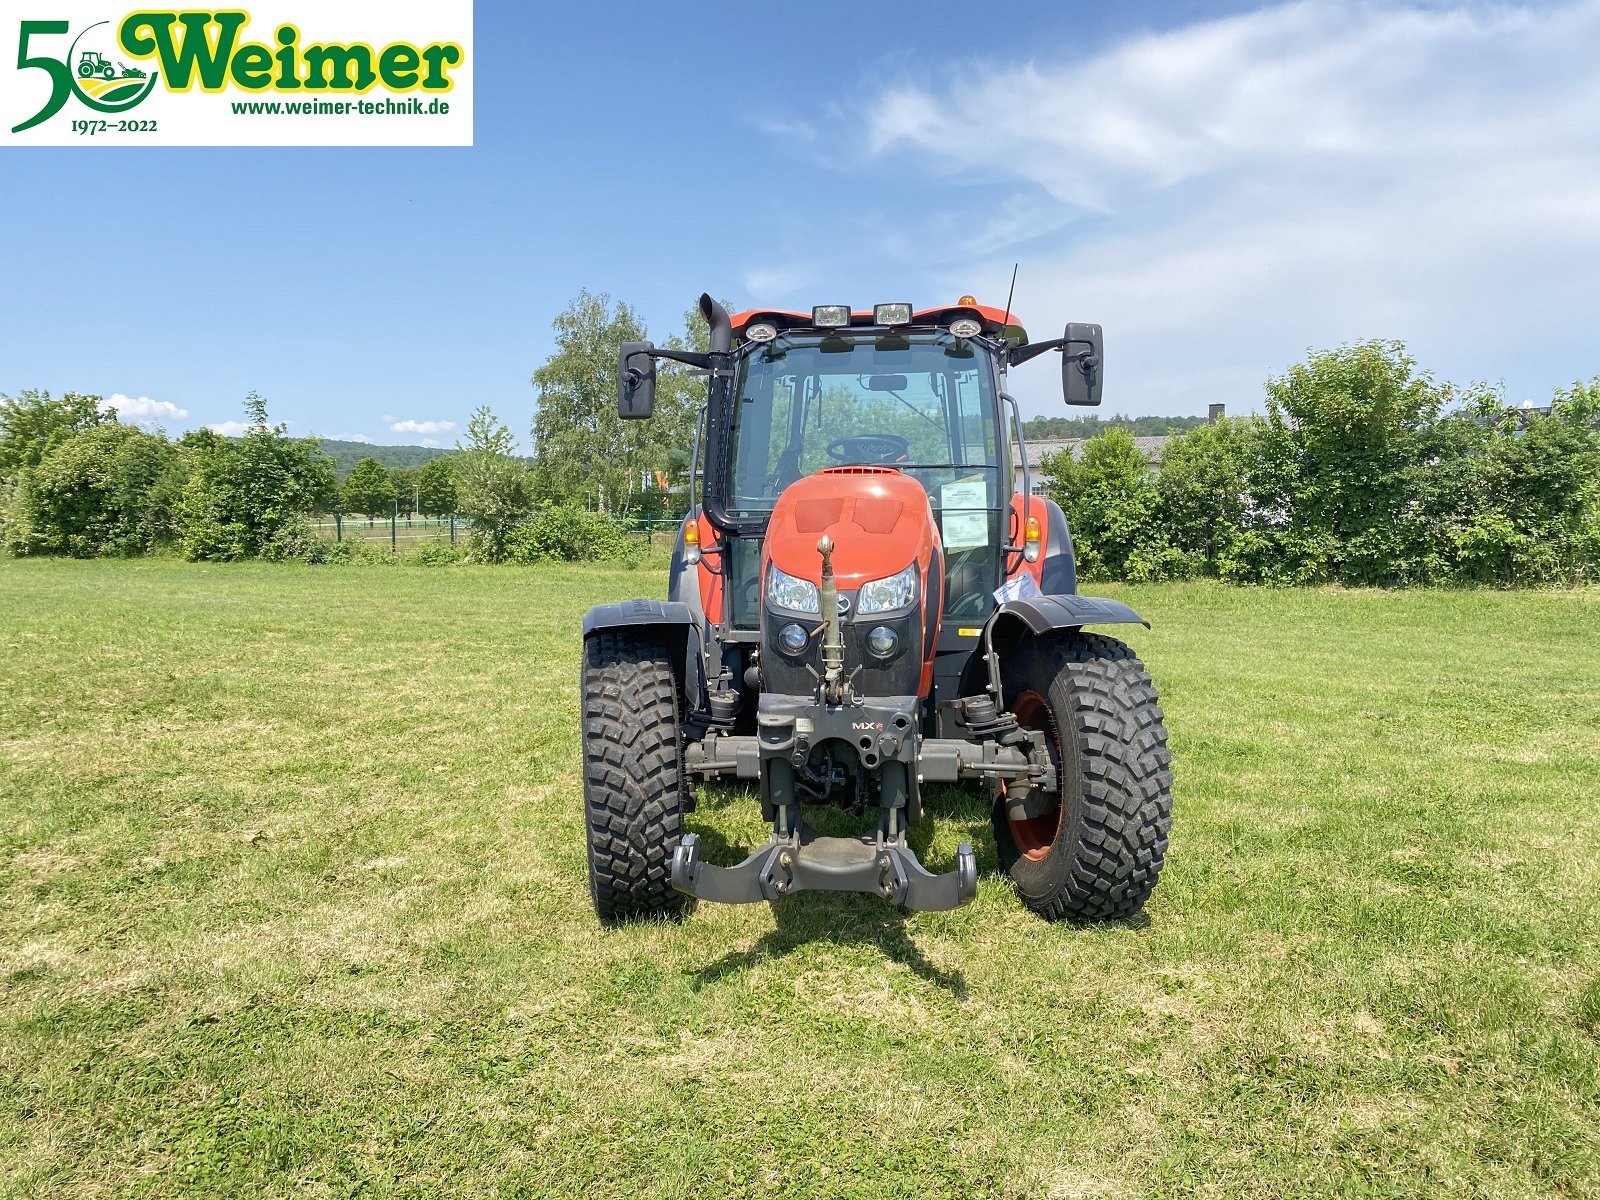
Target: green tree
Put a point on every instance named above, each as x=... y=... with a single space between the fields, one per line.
x=250 y=497
x=407 y=482
x=369 y=489
x=1113 y=508
x=1526 y=496
x=1038 y=429
x=436 y=488
x=32 y=424
x=1344 y=433
x=582 y=450
x=492 y=486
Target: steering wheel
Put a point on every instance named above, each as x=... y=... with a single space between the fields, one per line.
x=869 y=448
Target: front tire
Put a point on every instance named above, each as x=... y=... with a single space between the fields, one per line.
x=634 y=791
x=1097 y=854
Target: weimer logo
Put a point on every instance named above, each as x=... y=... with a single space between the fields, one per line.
x=271 y=70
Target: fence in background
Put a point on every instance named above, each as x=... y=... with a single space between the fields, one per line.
x=406 y=533
x=399 y=532
x=658 y=533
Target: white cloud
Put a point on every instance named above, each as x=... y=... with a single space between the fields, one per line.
x=770 y=285
x=231 y=428
x=1224 y=195
x=352 y=437
x=787 y=127
x=423 y=427
x=143 y=410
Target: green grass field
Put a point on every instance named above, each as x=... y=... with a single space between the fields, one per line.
x=292 y=902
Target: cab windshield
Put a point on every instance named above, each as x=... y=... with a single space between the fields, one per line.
x=922 y=402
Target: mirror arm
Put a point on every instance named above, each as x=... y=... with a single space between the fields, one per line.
x=1024 y=354
x=687 y=357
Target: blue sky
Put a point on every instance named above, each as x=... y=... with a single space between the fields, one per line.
x=1222 y=186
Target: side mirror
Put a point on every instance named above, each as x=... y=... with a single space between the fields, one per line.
x=636 y=381
x=1082 y=364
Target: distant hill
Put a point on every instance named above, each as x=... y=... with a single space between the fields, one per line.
x=347 y=454
x=1062 y=428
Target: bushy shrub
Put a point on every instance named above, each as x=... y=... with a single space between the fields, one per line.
x=1358 y=474
x=110 y=490
x=359 y=550
x=568 y=534
x=1113 y=508
x=437 y=553
x=247 y=497
x=1202 y=491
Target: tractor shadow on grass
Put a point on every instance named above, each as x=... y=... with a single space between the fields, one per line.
x=838 y=919
x=846 y=919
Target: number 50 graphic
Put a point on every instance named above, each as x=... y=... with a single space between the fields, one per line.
x=101 y=87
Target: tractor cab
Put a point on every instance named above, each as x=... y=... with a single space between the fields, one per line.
x=866 y=597
x=920 y=393
x=915 y=397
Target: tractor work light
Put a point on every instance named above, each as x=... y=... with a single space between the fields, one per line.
x=887 y=595
x=796 y=595
x=830 y=316
x=891 y=314
x=965 y=327
x=761 y=333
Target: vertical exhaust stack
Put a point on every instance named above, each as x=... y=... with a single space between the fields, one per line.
x=721 y=327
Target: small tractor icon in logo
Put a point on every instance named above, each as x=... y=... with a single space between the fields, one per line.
x=94 y=63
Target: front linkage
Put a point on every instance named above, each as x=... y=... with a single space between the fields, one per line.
x=797 y=858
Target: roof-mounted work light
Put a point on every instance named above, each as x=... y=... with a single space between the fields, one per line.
x=891 y=314
x=830 y=316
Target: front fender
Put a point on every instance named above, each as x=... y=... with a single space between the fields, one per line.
x=670 y=620
x=1043 y=614
x=1016 y=620
x=670 y=616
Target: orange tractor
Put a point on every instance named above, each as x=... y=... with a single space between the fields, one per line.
x=867 y=599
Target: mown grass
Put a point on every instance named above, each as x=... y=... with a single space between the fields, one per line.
x=292 y=901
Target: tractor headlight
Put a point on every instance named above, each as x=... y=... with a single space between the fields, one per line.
x=886 y=595
x=796 y=595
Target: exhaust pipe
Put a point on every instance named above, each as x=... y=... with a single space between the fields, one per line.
x=721 y=327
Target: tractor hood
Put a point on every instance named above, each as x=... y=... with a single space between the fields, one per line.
x=879 y=520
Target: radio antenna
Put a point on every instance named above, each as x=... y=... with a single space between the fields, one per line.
x=1010 y=296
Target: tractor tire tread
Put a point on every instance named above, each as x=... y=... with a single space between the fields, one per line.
x=1125 y=778
x=634 y=790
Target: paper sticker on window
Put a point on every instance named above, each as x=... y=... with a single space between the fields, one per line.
x=964 y=513
x=1018 y=587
